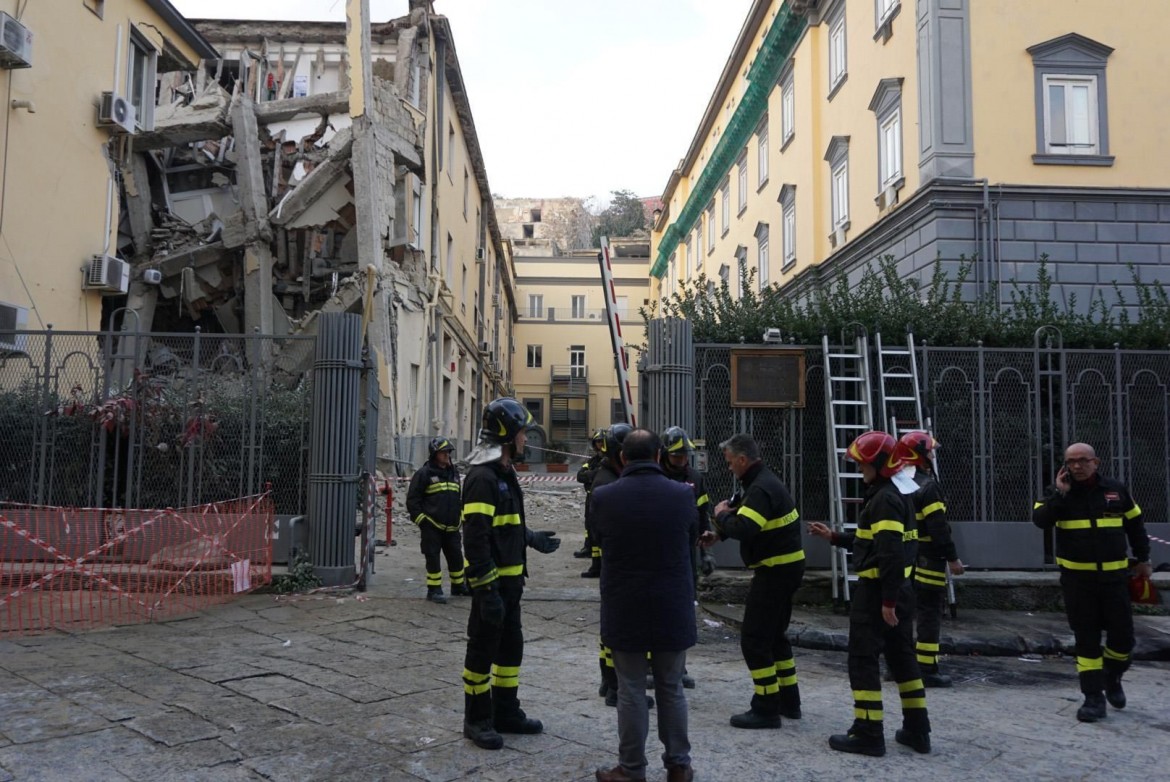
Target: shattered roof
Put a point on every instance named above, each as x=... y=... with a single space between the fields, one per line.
x=249 y=30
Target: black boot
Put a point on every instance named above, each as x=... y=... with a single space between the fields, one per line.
x=859 y=743
x=754 y=720
x=1093 y=708
x=518 y=722
x=915 y=740
x=936 y=680
x=435 y=595
x=1113 y=691
x=483 y=734
x=594 y=570
x=583 y=553
x=460 y=590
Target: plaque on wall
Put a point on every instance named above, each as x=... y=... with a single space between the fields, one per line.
x=767 y=377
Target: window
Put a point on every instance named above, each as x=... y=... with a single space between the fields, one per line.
x=529 y=230
x=463 y=290
x=837 y=61
x=673 y=267
x=622 y=307
x=450 y=148
x=762 y=153
x=578 y=303
x=725 y=274
x=535 y=305
x=450 y=260
x=699 y=243
x=416 y=212
x=140 y=79
x=885 y=8
x=841 y=195
x=686 y=264
x=535 y=356
x=1072 y=125
x=725 y=206
x=891 y=149
x=466 y=191
x=884 y=13
x=534 y=215
x=711 y=226
x=837 y=156
x=762 y=254
x=617 y=411
x=536 y=407
x=787 y=109
x=788 y=210
x=577 y=361
x=743 y=185
x=741 y=264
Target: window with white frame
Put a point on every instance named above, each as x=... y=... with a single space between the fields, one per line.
x=762 y=152
x=741 y=167
x=578 y=305
x=890 y=153
x=466 y=191
x=577 y=360
x=699 y=243
x=686 y=259
x=787 y=109
x=837 y=60
x=535 y=305
x=1070 y=115
x=140 y=79
x=1072 y=125
x=788 y=225
x=724 y=274
x=885 y=9
x=762 y=265
x=535 y=356
x=725 y=206
x=711 y=226
x=841 y=194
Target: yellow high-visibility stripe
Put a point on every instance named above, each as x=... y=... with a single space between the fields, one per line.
x=932 y=508
x=864 y=534
x=934 y=573
x=475 y=683
x=914 y=703
x=929 y=659
x=435 y=488
x=1112 y=655
x=505 y=676
x=760 y=673
x=869 y=715
x=506 y=520
x=486 y=508
x=703 y=500
x=483 y=580
x=910 y=534
x=874 y=572
x=888 y=525
x=1107 y=521
x=787 y=681
x=924 y=538
x=1117 y=564
x=780 y=559
x=754 y=516
x=767 y=689
x=511 y=570
x=927 y=581
x=783 y=521
x=912 y=685
x=923 y=646
x=1089 y=664
x=1133 y=512
x=867 y=695
x=1036 y=505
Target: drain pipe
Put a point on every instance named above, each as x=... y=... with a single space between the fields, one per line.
x=428 y=315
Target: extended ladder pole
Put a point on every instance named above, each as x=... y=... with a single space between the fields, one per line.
x=615 y=333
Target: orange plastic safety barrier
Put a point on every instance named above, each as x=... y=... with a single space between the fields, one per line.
x=72 y=569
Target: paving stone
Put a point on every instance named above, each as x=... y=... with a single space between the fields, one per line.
x=173 y=728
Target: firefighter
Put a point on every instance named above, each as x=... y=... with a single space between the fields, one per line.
x=1095 y=518
x=585 y=478
x=766 y=524
x=676 y=463
x=936 y=555
x=495 y=538
x=432 y=502
x=881 y=610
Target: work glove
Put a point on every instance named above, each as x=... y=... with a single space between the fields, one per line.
x=546 y=541
x=491 y=607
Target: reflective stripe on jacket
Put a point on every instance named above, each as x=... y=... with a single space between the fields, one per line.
x=494 y=534
x=1094 y=523
x=433 y=497
x=765 y=523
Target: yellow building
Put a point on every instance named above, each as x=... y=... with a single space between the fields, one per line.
x=58 y=186
x=1000 y=131
x=563 y=363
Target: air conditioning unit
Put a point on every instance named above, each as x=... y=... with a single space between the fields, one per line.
x=485 y=348
x=15 y=43
x=13 y=318
x=107 y=274
x=116 y=112
x=480 y=253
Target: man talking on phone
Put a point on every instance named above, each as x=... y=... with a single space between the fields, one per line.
x=1095 y=517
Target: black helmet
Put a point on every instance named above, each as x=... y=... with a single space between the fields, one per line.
x=675 y=440
x=440 y=444
x=614 y=436
x=503 y=419
x=598 y=439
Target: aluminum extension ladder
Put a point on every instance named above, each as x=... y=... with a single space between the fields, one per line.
x=848 y=413
x=900 y=402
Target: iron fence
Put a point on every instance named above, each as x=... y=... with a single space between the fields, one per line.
x=137 y=420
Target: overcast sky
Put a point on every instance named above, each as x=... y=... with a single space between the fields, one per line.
x=570 y=98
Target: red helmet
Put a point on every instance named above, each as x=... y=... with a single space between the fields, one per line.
x=1142 y=590
x=915 y=447
x=879 y=449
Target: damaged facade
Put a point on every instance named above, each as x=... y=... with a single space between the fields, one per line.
x=304 y=168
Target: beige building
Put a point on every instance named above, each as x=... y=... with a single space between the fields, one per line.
x=563 y=363
x=59 y=181
x=545 y=226
x=841 y=131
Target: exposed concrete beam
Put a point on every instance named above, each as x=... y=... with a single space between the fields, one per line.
x=201 y=255
x=136 y=181
x=316 y=183
x=281 y=110
x=205 y=118
x=254 y=206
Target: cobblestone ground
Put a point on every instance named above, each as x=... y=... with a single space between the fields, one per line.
x=344 y=687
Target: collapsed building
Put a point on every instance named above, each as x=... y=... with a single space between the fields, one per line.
x=314 y=168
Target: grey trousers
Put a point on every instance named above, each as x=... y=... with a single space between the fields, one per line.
x=634 y=716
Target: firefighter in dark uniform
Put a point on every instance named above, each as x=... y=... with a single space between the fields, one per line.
x=495 y=539
x=585 y=478
x=432 y=502
x=881 y=609
x=936 y=555
x=766 y=525
x=1095 y=518
x=676 y=463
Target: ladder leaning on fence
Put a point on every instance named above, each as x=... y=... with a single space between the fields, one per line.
x=848 y=413
x=900 y=403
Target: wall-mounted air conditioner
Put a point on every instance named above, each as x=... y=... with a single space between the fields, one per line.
x=480 y=253
x=117 y=113
x=107 y=274
x=485 y=348
x=15 y=43
x=13 y=318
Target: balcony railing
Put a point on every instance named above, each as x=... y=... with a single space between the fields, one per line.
x=562 y=372
x=567 y=315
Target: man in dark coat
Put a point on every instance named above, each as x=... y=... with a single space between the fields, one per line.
x=646 y=525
